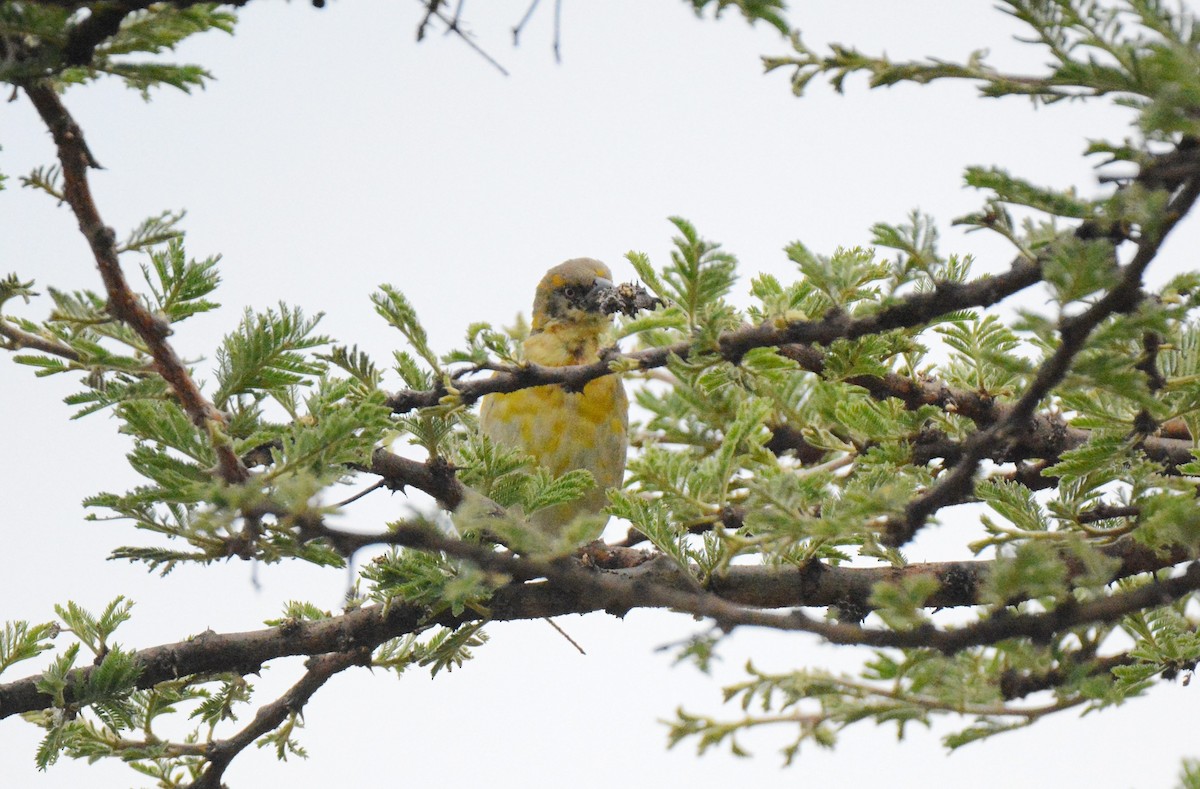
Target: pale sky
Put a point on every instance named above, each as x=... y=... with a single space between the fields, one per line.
x=333 y=154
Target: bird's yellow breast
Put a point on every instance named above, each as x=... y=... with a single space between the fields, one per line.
x=564 y=430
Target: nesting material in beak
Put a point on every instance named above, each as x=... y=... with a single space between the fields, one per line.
x=625 y=298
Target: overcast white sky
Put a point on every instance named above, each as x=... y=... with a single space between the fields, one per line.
x=333 y=154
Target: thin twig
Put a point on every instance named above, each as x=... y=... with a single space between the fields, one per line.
x=564 y=634
x=516 y=31
x=452 y=26
x=431 y=8
x=380 y=484
x=320 y=668
x=18 y=339
x=558 y=31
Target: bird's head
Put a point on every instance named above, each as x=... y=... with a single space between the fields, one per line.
x=570 y=294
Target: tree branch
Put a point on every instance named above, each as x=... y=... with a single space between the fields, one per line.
x=1074 y=330
x=320 y=668
x=1047 y=435
x=103 y=22
x=1015 y=685
x=662 y=584
x=736 y=599
x=18 y=339
x=123 y=304
x=433 y=477
x=908 y=312
x=432 y=10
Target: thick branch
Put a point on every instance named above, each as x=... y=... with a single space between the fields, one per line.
x=664 y=585
x=245 y=652
x=738 y=598
x=960 y=583
x=103 y=22
x=435 y=478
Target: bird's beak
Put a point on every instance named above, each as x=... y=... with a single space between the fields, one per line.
x=599 y=286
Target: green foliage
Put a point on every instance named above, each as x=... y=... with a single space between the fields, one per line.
x=111 y=354
x=652 y=518
x=849 y=277
x=1077 y=270
x=514 y=487
x=360 y=367
x=299 y=611
x=1033 y=571
x=1189 y=774
x=901 y=605
x=11 y=287
x=393 y=307
x=1017 y=191
x=99 y=712
x=695 y=281
x=283 y=741
x=93 y=631
x=485 y=344
x=46 y=179
x=984 y=360
x=264 y=355
x=1143 y=52
x=106 y=689
x=332 y=423
x=1050 y=547
x=916 y=240
x=1167 y=644
x=22 y=641
x=428 y=580
x=769 y=11
x=177 y=284
x=795 y=458
x=45 y=31
x=219 y=705
x=445 y=650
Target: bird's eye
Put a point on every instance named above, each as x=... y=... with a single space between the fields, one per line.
x=571 y=292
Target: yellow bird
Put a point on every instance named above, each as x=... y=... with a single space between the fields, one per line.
x=563 y=430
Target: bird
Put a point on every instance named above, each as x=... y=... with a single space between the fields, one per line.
x=564 y=430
